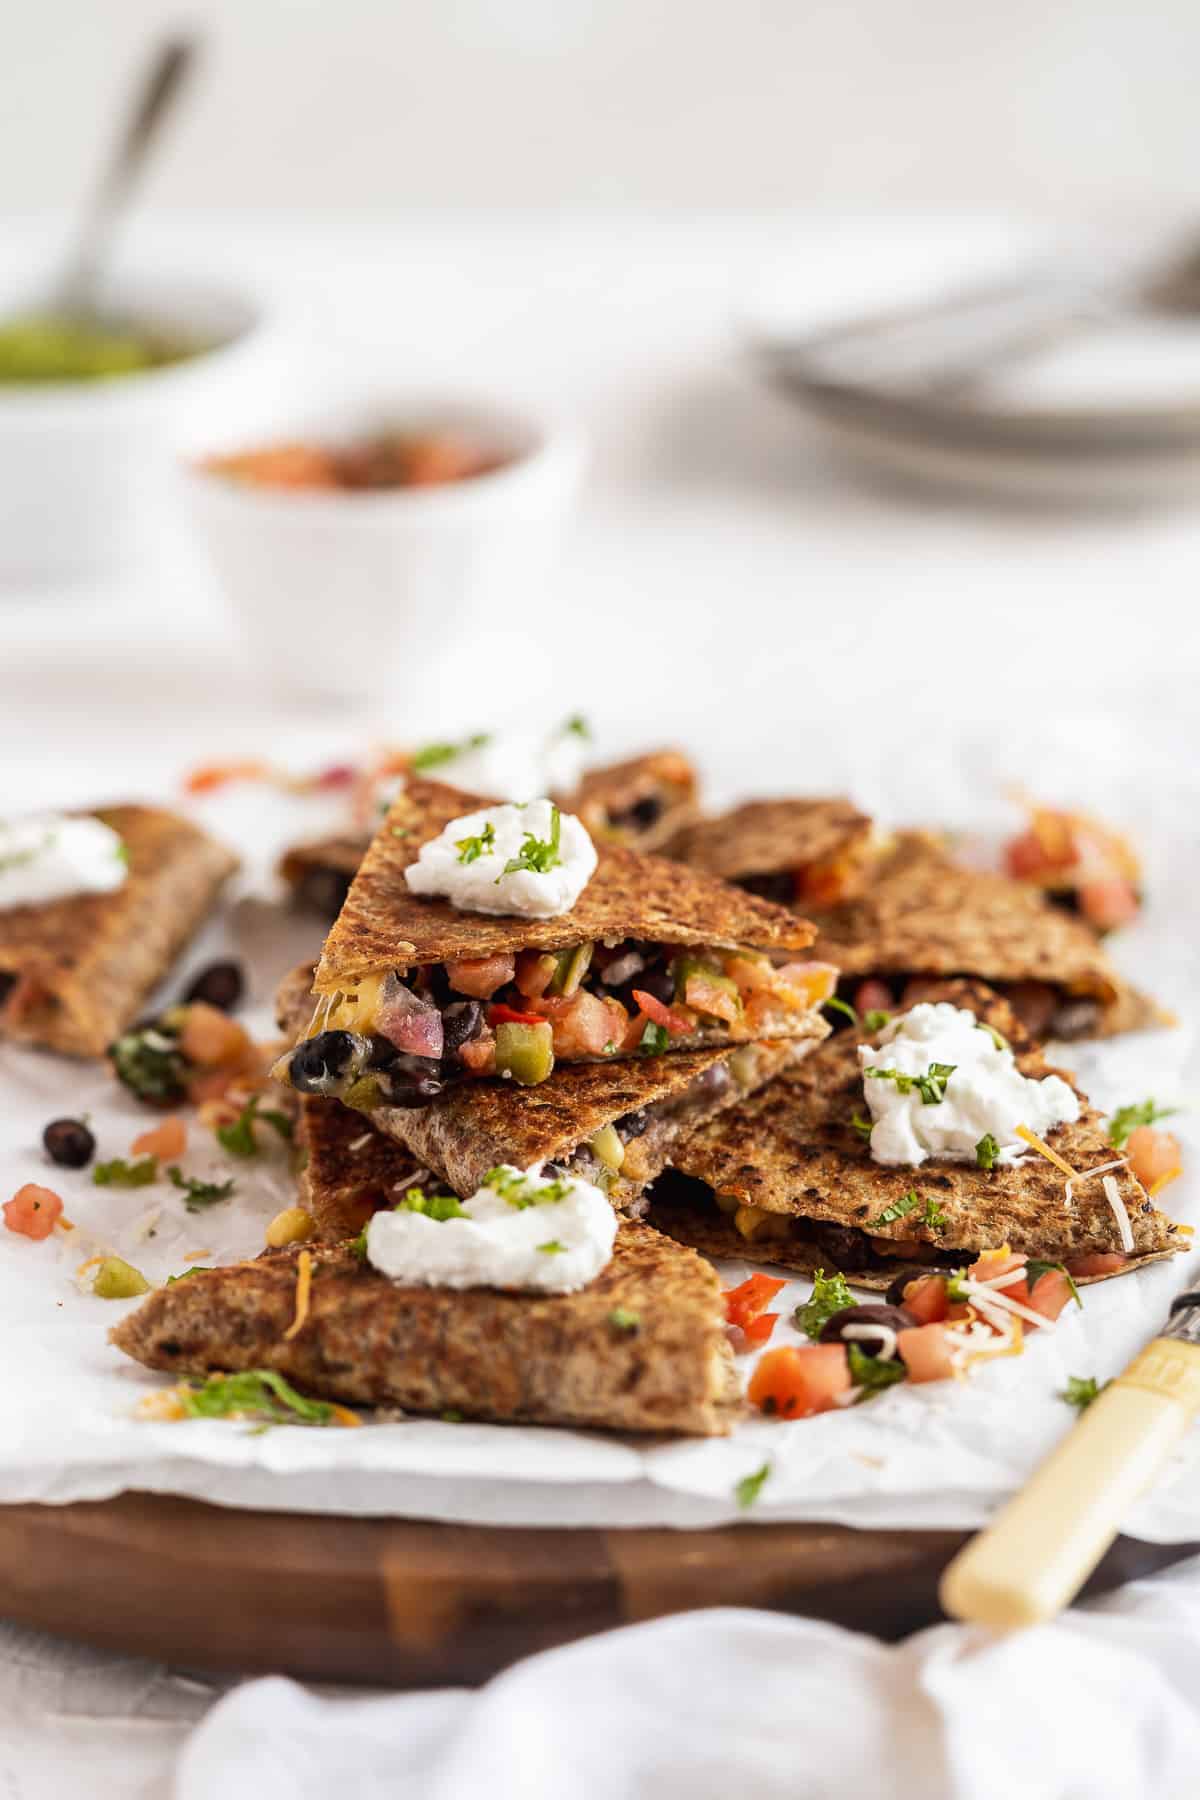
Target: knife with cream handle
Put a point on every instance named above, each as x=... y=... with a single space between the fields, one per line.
x=1037 y=1553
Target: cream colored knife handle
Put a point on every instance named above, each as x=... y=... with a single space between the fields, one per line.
x=1037 y=1553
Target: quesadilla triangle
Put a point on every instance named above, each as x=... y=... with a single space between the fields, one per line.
x=794 y=852
x=923 y=916
x=788 y=1178
x=351 y=1170
x=414 y=995
x=615 y=1125
x=641 y=803
x=75 y=971
x=641 y=1348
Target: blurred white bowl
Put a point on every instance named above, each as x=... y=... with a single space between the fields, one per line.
x=352 y=593
x=87 y=467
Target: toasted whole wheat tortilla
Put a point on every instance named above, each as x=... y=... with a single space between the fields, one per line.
x=320 y=871
x=642 y=803
x=471 y=1128
x=384 y=926
x=642 y=1348
x=792 y=1152
x=763 y=837
x=351 y=1169
x=74 y=972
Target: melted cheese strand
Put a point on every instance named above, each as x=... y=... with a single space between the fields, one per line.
x=885 y=1334
x=1087 y=1174
x=1112 y=1194
x=987 y=1297
x=303 y=1292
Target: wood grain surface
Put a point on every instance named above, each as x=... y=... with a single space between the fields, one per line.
x=411 y=1604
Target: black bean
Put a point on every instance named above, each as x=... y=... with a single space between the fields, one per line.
x=461 y=1021
x=323 y=1060
x=632 y=1125
x=413 y=1081
x=640 y=816
x=221 y=984
x=895 y=1293
x=69 y=1143
x=779 y=887
x=896 y=1318
x=847 y=1247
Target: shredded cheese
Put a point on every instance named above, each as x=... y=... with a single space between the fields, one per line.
x=1112 y=1194
x=304 y=1263
x=987 y=1298
x=91 y=1262
x=1156 y=1187
x=1035 y=1143
x=360 y=1143
x=164 y=1404
x=344 y=1416
x=885 y=1334
x=1087 y=1175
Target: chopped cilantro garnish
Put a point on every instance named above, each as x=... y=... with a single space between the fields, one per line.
x=1128 y=1118
x=122 y=853
x=876 y=1019
x=748 y=1489
x=833 y=1004
x=239 y=1139
x=622 y=1319
x=552 y=1247
x=899 y=1209
x=873 y=1372
x=864 y=1127
x=931 y=1085
x=1000 y=1041
x=399 y=831
x=150 y=1063
x=431 y=755
x=200 y=1193
x=1034 y=1271
x=523 y=1191
x=452 y=1416
x=935 y=1218
x=987 y=1151
x=434 y=1206
x=1081 y=1390
x=119 y=1173
x=537 y=855
x=830 y=1295
x=578 y=725
x=255 y=1393
x=470 y=849
x=655 y=1039
x=358 y=1246
x=196 y=1269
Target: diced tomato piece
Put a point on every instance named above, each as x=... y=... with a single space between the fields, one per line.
x=925 y=1298
x=337 y=775
x=209 y=776
x=1153 y=1155
x=166 y=1140
x=747 y=1301
x=990 y=1263
x=759 y=1330
x=1049 y=1293
x=812 y=983
x=1096 y=1262
x=479 y=1055
x=1025 y=858
x=750 y=974
x=534 y=973
x=873 y=996
x=825 y=883
x=499 y=1014
x=678 y=1024
x=214 y=1084
x=796 y=1383
x=712 y=997
x=1107 y=904
x=210 y=1037
x=584 y=1024
x=33 y=1211
x=925 y=1351
x=480 y=976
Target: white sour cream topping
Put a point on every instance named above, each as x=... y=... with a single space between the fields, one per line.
x=986 y=1094
x=466 y=863
x=520 y=1232
x=52 y=857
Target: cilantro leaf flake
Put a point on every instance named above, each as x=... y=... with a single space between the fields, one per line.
x=830 y=1295
x=987 y=1151
x=747 y=1490
x=537 y=855
x=873 y=1373
x=238 y=1137
x=470 y=849
x=899 y=1209
x=1128 y=1118
x=200 y=1193
x=1081 y=1390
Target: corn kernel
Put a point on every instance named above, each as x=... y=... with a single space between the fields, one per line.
x=291 y=1226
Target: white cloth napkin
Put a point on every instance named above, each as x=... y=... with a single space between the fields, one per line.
x=1103 y=1703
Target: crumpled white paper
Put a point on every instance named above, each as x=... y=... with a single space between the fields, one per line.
x=936 y=1456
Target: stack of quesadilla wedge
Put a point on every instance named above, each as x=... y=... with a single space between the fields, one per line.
x=642 y=803
x=789 y=1179
x=642 y=1348
x=74 y=972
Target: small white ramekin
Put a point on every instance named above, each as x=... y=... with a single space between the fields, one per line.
x=352 y=594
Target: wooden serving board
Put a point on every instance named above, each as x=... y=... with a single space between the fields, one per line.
x=410 y=1604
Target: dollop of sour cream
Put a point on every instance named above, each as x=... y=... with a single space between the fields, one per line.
x=518 y=1231
x=53 y=857
x=532 y=861
x=985 y=1095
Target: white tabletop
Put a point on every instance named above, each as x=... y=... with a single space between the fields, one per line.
x=726 y=585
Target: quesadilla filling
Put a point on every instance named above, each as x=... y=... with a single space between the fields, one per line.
x=400 y=1038
x=1043 y=1009
x=827 y=881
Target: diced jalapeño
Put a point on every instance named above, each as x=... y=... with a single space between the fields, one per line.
x=572 y=967
x=119 y=1280
x=524 y=1052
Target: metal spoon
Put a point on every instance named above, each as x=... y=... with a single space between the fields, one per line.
x=73 y=295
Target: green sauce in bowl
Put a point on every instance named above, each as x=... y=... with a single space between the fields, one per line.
x=40 y=347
